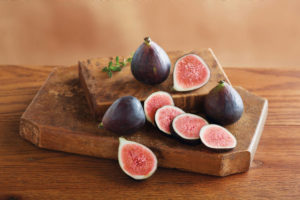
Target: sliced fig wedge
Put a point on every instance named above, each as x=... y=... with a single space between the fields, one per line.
x=155 y=101
x=217 y=137
x=164 y=117
x=190 y=73
x=136 y=160
x=186 y=127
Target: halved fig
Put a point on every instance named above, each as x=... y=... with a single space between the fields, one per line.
x=136 y=160
x=217 y=137
x=190 y=73
x=186 y=127
x=164 y=117
x=155 y=101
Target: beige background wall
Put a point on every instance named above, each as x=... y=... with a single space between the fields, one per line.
x=259 y=33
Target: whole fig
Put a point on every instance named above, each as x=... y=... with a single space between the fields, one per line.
x=223 y=104
x=150 y=63
x=126 y=115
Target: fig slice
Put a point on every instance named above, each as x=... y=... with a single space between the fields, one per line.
x=155 y=101
x=136 y=160
x=164 y=117
x=186 y=127
x=190 y=73
x=217 y=137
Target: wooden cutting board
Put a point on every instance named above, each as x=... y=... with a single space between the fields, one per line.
x=58 y=118
x=102 y=91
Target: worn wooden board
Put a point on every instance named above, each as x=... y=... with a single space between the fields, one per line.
x=58 y=119
x=102 y=91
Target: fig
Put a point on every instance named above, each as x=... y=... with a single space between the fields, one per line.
x=136 y=160
x=155 y=101
x=223 y=104
x=150 y=63
x=186 y=127
x=190 y=73
x=164 y=117
x=217 y=137
x=124 y=116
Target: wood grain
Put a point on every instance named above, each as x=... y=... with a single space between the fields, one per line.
x=27 y=172
x=58 y=119
x=102 y=91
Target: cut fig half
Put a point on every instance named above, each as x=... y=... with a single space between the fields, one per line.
x=186 y=127
x=190 y=73
x=217 y=137
x=136 y=160
x=155 y=101
x=164 y=117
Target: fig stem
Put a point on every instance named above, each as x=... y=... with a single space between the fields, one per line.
x=100 y=125
x=147 y=40
x=221 y=82
x=220 y=85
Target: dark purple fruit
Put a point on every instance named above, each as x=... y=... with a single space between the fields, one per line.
x=186 y=127
x=150 y=63
x=136 y=160
x=124 y=116
x=216 y=137
x=223 y=104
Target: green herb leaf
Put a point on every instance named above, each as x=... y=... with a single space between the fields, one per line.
x=129 y=59
x=109 y=74
x=115 y=69
x=110 y=64
x=105 y=69
x=117 y=66
x=122 y=64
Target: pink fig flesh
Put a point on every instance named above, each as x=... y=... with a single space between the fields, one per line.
x=217 y=137
x=190 y=73
x=136 y=160
x=187 y=126
x=164 y=117
x=155 y=101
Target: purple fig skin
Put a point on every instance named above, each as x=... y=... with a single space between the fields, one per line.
x=126 y=115
x=150 y=63
x=223 y=104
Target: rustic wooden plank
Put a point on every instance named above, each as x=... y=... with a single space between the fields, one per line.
x=58 y=119
x=102 y=91
x=27 y=172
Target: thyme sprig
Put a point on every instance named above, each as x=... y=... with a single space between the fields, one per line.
x=116 y=66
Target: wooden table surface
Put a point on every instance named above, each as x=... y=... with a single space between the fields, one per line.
x=27 y=172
